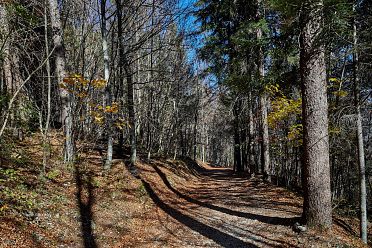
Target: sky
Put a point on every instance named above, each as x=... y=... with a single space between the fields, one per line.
x=189 y=24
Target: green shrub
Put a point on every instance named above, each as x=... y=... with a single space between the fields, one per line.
x=53 y=174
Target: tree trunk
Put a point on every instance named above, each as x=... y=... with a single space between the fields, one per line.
x=263 y=103
x=265 y=138
x=60 y=66
x=46 y=143
x=12 y=73
x=108 y=95
x=237 y=149
x=360 y=145
x=120 y=77
x=132 y=117
x=252 y=166
x=149 y=115
x=316 y=169
x=150 y=75
x=123 y=61
x=195 y=140
x=5 y=32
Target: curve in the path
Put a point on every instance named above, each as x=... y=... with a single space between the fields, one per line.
x=230 y=210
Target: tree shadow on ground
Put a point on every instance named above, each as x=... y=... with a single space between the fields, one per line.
x=344 y=226
x=84 y=183
x=214 y=234
x=261 y=218
x=191 y=167
x=181 y=167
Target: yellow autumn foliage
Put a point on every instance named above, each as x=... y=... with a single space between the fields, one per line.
x=295 y=132
x=99 y=83
x=114 y=108
x=120 y=123
x=282 y=108
x=340 y=93
x=77 y=85
x=98 y=118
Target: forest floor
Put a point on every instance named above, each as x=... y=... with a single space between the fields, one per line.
x=173 y=203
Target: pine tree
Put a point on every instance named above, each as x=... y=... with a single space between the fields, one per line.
x=316 y=169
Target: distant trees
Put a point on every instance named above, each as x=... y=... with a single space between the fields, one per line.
x=232 y=49
x=137 y=89
x=252 y=49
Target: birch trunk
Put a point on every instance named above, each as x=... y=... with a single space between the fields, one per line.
x=361 y=158
x=108 y=95
x=46 y=149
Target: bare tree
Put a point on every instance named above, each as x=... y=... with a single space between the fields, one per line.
x=60 y=66
x=108 y=94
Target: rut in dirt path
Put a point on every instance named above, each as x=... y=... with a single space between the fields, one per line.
x=225 y=210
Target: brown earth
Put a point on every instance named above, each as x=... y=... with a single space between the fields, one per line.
x=173 y=203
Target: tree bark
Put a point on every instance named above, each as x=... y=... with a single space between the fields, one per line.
x=123 y=61
x=132 y=117
x=60 y=66
x=7 y=66
x=108 y=95
x=150 y=76
x=360 y=144
x=263 y=103
x=265 y=138
x=316 y=179
x=45 y=132
x=237 y=145
x=12 y=73
x=252 y=166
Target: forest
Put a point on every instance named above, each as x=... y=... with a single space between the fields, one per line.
x=185 y=123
